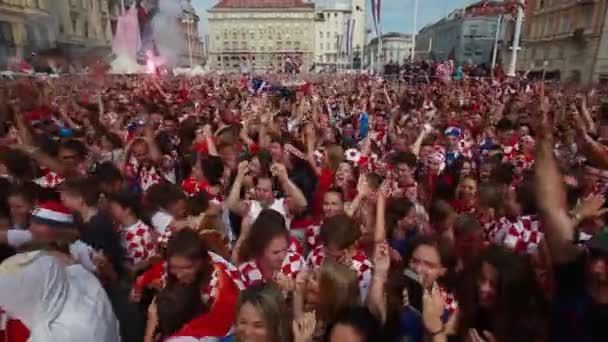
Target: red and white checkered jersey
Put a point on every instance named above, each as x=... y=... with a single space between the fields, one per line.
x=313 y=236
x=523 y=234
x=450 y=303
x=221 y=265
x=359 y=263
x=292 y=265
x=208 y=292
x=50 y=180
x=139 y=242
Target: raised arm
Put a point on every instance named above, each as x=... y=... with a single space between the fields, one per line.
x=298 y=200
x=551 y=200
x=233 y=202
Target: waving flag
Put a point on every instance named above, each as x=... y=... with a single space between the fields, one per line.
x=376 y=10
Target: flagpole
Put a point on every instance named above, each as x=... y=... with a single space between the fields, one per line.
x=379 y=59
x=516 y=36
x=496 y=36
x=413 y=56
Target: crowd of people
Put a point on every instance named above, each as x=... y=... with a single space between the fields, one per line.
x=323 y=208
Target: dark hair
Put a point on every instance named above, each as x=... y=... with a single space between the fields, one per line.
x=127 y=200
x=341 y=231
x=178 y=304
x=188 y=244
x=445 y=251
x=520 y=301
x=503 y=173
x=439 y=211
x=526 y=197
x=407 y=158
x=107 y=172
x=162 y=195
x=265 y=161
x=268 y=225
x=17 y=163
x=86 y=188
x=490 y=195
x=75 y=146
x=396 y=210
x=337 y=191
x=504 y=125
x=361 y=320
x=466 y=224
x=25 y=191
x=213 y=168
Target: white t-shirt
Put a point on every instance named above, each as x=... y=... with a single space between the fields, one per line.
x=160 y=221
x=278 y=205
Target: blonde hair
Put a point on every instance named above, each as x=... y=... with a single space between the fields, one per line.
x=269 y=302
x=335 y=155
x=338 y=289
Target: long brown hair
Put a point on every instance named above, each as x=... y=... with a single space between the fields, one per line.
x=188 y=244
x=338 y=289
x=268 y=225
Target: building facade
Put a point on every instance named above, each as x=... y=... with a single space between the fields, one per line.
x=83 y=24
x=28 y=26
x=465 y=36
x=330 y=32
x=396 y=47
x=260 y=33
x=188 y=22
x=565 y=38
x=23 y=28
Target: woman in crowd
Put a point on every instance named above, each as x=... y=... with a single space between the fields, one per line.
x=267 y=250
x=498 y=293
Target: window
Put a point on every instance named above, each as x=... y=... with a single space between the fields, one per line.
x=560 y=53
x=336 y=15
x=321 y=34
x=565 y=23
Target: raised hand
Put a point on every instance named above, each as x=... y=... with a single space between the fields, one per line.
x=304 y=327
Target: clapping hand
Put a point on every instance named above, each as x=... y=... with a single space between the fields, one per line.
x=304 y=327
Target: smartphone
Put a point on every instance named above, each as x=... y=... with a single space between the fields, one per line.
x=413 y=290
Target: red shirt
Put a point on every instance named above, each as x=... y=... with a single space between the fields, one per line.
x=325 y=180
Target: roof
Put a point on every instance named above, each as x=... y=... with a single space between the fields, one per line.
x=405 y=36
x=262 y=4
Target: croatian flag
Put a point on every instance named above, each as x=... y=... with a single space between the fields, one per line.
x=376 y=10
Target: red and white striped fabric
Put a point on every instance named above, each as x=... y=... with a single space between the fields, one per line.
x=139 y=242
x=358 y=263
x=523 y=235
x=50 y=180
x=292 y=265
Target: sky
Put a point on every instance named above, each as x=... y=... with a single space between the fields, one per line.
x=397 y=15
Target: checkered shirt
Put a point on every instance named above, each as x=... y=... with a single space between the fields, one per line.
x=313 y=236
x=139 y=242
x=450 y=303
x=209 y=292
x=50 y=180
x=523 y=235
x=292 y=265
